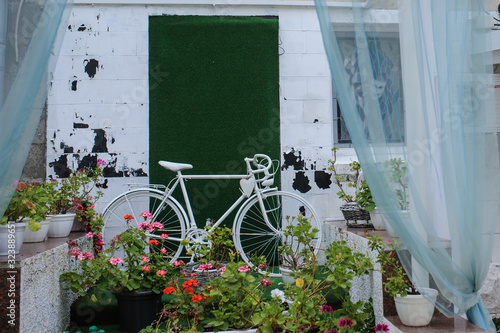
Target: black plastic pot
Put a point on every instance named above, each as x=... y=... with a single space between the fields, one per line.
x=137 y=309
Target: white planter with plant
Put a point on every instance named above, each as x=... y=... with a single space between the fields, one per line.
x=412 y=307
x=416 y=310
x=61 y=224
x=39 y=235
x=12 y=237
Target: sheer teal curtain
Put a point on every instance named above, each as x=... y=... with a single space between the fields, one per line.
x=448 y=138
x=30 y=34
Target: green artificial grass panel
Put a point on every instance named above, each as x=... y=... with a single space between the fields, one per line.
x=214 y=100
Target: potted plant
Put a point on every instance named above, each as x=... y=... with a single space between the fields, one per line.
x=134 y=267
x=352 y=210
x=303 y=306
x=297 y=249
x=223 y=304
x=71 y=197
x=412 y=307
x=27 y=208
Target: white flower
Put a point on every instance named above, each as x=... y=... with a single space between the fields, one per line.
x=278 y=293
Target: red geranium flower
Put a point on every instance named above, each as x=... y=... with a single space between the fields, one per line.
x=189 y=290
x=168 y=290
x=153 y=242
x=197 y=298
x=128 y=217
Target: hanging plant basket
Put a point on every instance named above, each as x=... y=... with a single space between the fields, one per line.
x=355 y=216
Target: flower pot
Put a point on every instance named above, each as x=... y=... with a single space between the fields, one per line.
x=136 y=310
x=39 y=235
x=416 y=310
x=286 y=275
x=60 y=225
x=12 y=237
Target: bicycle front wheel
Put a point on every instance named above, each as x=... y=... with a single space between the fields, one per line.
x=253 y=237
x=137 y=201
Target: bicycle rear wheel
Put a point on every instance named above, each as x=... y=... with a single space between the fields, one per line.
x=254 y=238
x=137 y=201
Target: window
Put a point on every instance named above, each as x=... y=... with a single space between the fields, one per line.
x=386 y=56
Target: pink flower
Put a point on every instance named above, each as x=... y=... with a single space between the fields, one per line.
x=164 y=236
x=266 y=282
x=205 y=267
x=326 y=308
x=147 y=215
x=157 y=225
x=344 y=323
x=262 y=266
x=381 y=328
x=115 y=261
x=145 y=226
x=90 y=234
x=244 y=268
x=92 y=206
x=146 y=268
x=100 y=162
x=90 y=198
x=163 y=250
x=179 y=262
x=222 y=270
x=74 y=252
x=85 y=255
x=161 y=272
x=145 y=259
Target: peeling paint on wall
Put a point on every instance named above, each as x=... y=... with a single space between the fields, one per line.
x=293 y=159
x=80 y=125
x=100 y=142
x=60 y=167
x=301 y=182
x=91 y=67
x=323 y=179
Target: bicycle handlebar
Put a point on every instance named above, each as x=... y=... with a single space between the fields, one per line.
x=262 y=163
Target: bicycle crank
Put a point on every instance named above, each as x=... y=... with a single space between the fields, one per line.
x=197 y=240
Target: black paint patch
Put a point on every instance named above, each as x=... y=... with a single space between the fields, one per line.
x=301 y=182
x=110 y=170
x=138 y=173
x=315 y=121
x=69 y=28
x=80 y=125
x=100 y=143
x=61 y=167
x=323 y=179
x=66 y=149
x=73 y=85
x=82 y=27
x=290 y=159
x=103 y=184
x=88 y=162
x=91 y=67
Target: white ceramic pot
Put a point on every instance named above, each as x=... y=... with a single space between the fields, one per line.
x=39 y=235
x=376 y=220
x=286 y=275
x=61 y=224
x=416 y=310
x=12 y=237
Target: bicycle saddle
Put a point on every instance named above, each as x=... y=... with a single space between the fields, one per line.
x=175 y=166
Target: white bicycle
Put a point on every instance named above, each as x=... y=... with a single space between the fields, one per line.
x=263 y=212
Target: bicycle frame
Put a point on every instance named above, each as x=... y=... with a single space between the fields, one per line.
x=191 y=223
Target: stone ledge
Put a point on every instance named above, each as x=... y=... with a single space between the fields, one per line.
x=37 y=270
x=439 y=324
